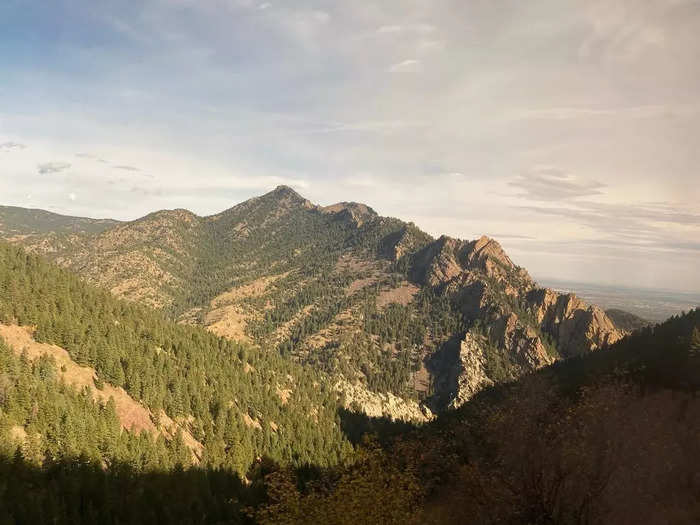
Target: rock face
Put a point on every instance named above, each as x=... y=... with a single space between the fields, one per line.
x=576 y=327
x=516 y=327
x=354 y=212
x=378 y=405
x=461 y=370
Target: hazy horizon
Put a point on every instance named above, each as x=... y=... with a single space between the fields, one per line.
x=567 y=131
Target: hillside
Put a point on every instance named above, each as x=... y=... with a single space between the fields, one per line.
x=626 y=321
x=227 y=403
x=15 y=221
x=373 y=301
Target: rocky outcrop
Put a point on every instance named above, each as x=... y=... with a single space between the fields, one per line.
x=516 y=326
x=182 y=262
x=468 y=370
x=353 y=212
x=437 y=264
x=405 y=241
x=575 y=326
x=356 y=397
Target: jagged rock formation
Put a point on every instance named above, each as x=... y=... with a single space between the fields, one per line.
x=366 y=298
x=515 y=325
x=382 y=405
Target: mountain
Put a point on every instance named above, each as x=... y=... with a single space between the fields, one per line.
x=395 y=316
x=16 y=221
x=113 y=411
x=603 y=437
x=626 y=321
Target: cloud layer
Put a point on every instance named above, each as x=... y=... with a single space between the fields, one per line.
x=568 y=129
x=46 y=168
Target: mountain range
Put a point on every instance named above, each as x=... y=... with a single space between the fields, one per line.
x=282 y=362
x=406 y=325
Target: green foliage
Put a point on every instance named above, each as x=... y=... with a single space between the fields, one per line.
x=183 y=370
x=46 y=420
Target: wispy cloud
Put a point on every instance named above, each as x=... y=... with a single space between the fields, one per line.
x=52 y=167
x=407 y=28
x=9 y=146
x=410 y=65
x=631 y=112
x=382 y=95
x=126 y=168
x=90 y=156
x=554 y=184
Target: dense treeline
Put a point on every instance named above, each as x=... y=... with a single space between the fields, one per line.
x=49 y=420
x=210 y=382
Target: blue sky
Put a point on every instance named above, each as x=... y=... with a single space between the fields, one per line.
x=570 y=131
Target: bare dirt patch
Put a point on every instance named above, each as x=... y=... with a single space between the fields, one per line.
x=227 y=317
x=343 y=324
x=350 y=263
x=402 y=294
x=421 y=379
x=253 y=289
x=228 y=321
x=170 y=429
x=359 y=284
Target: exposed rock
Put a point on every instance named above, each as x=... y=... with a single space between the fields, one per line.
x=350 y=211
x=226 y=271
x=576 y=327
x=469 y=370
x=387 y=405
x=407 y=240
x=436 y=264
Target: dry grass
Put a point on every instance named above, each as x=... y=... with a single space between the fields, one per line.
x=359 y=284
x=227 y=317
x=229 y=321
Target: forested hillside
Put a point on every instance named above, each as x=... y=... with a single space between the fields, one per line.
x=238 y=402
x=606 y=437
x=374 y=302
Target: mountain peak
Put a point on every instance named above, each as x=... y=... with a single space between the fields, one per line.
x=284 y=189
x=287 y=196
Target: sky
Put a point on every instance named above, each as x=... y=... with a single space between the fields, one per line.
x=567 y=130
